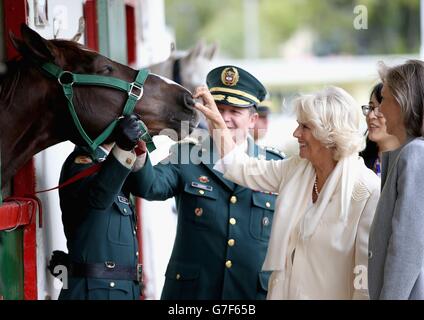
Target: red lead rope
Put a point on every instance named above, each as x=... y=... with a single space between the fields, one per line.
x=139 y=149
x=36 y=201
x=85 y=173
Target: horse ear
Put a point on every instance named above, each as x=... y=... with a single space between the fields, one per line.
x=17 y=43
x=36 y=44
x=81 y=28
x=197 y=50
x=212 y=51
x=173 y=47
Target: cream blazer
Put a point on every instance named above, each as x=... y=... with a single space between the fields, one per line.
x=332 y=262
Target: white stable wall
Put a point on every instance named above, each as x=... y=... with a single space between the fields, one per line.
x=63 y=17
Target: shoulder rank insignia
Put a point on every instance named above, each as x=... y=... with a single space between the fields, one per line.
x=83 y=160
x=275 y=151
x=189 y=139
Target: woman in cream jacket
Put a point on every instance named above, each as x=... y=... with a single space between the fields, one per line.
x=327 y=198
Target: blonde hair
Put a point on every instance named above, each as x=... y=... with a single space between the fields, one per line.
x=335 y=119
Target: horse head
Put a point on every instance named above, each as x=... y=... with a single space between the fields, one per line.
x=35 y=115
x=189 y=68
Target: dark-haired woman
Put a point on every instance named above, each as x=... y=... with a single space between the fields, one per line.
x=378 y=140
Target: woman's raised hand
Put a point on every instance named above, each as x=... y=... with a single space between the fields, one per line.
x=221 y=134
x=208 y=107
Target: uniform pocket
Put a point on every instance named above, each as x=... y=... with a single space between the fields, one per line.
x=123 y=207
x=181 y=281
x=261 y=215
x=120 y=228
x=199 y=205
x=102 y=289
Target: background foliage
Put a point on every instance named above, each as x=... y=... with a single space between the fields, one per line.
x=393 y=25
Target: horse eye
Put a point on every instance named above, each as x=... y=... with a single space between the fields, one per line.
x=106 y=69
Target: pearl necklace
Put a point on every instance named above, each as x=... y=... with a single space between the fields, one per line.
x=316 y=187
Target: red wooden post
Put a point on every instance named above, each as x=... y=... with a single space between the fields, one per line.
x=24 y=183
x=91 y=27
x=16 y=13
x=131 y=34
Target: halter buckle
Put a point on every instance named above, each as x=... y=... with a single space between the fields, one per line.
x=135 y=91
x=67 y=78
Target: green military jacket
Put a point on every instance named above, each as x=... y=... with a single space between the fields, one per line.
x=223 y=228
x=99 y=224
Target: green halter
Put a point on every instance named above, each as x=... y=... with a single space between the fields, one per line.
x=135 y=91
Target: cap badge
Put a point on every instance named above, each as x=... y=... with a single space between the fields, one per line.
x=230 y=76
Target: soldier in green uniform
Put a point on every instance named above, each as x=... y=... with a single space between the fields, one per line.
x=99 y=221
x=261 y=126
x=223 y=229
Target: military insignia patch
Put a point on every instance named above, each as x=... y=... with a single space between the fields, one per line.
x=201 y=186
x=204 y=179
x=83 y=160
x=230 y=76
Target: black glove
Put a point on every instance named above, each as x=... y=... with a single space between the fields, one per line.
x=127 y=132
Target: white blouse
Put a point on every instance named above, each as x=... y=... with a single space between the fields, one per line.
x=331 y=247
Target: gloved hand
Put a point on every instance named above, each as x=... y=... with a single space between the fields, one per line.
x=127 y=132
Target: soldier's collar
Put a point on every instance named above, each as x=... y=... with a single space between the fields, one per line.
x=97 y=155
x=252 y=147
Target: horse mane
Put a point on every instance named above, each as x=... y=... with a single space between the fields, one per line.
x=68 y=44
x=10 y=78
x=74 y=49
x=9 y=81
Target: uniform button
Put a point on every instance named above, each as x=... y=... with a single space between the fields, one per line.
x=134 y=232
x=228 y=264
x=125 y=210
x=198 y=212
x=233 y=221
x=233 y=199
x=231 y=242
x=178 y=276
x=369 y=254
x=265 y=221
x=201 y=192
x=112 y=284
x=136 y=253
x=128 y=161
x=268 y=205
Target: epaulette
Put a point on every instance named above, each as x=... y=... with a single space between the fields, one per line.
x=83 y=159
x=184 y=143
x=275 y=151
x=189 y=140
